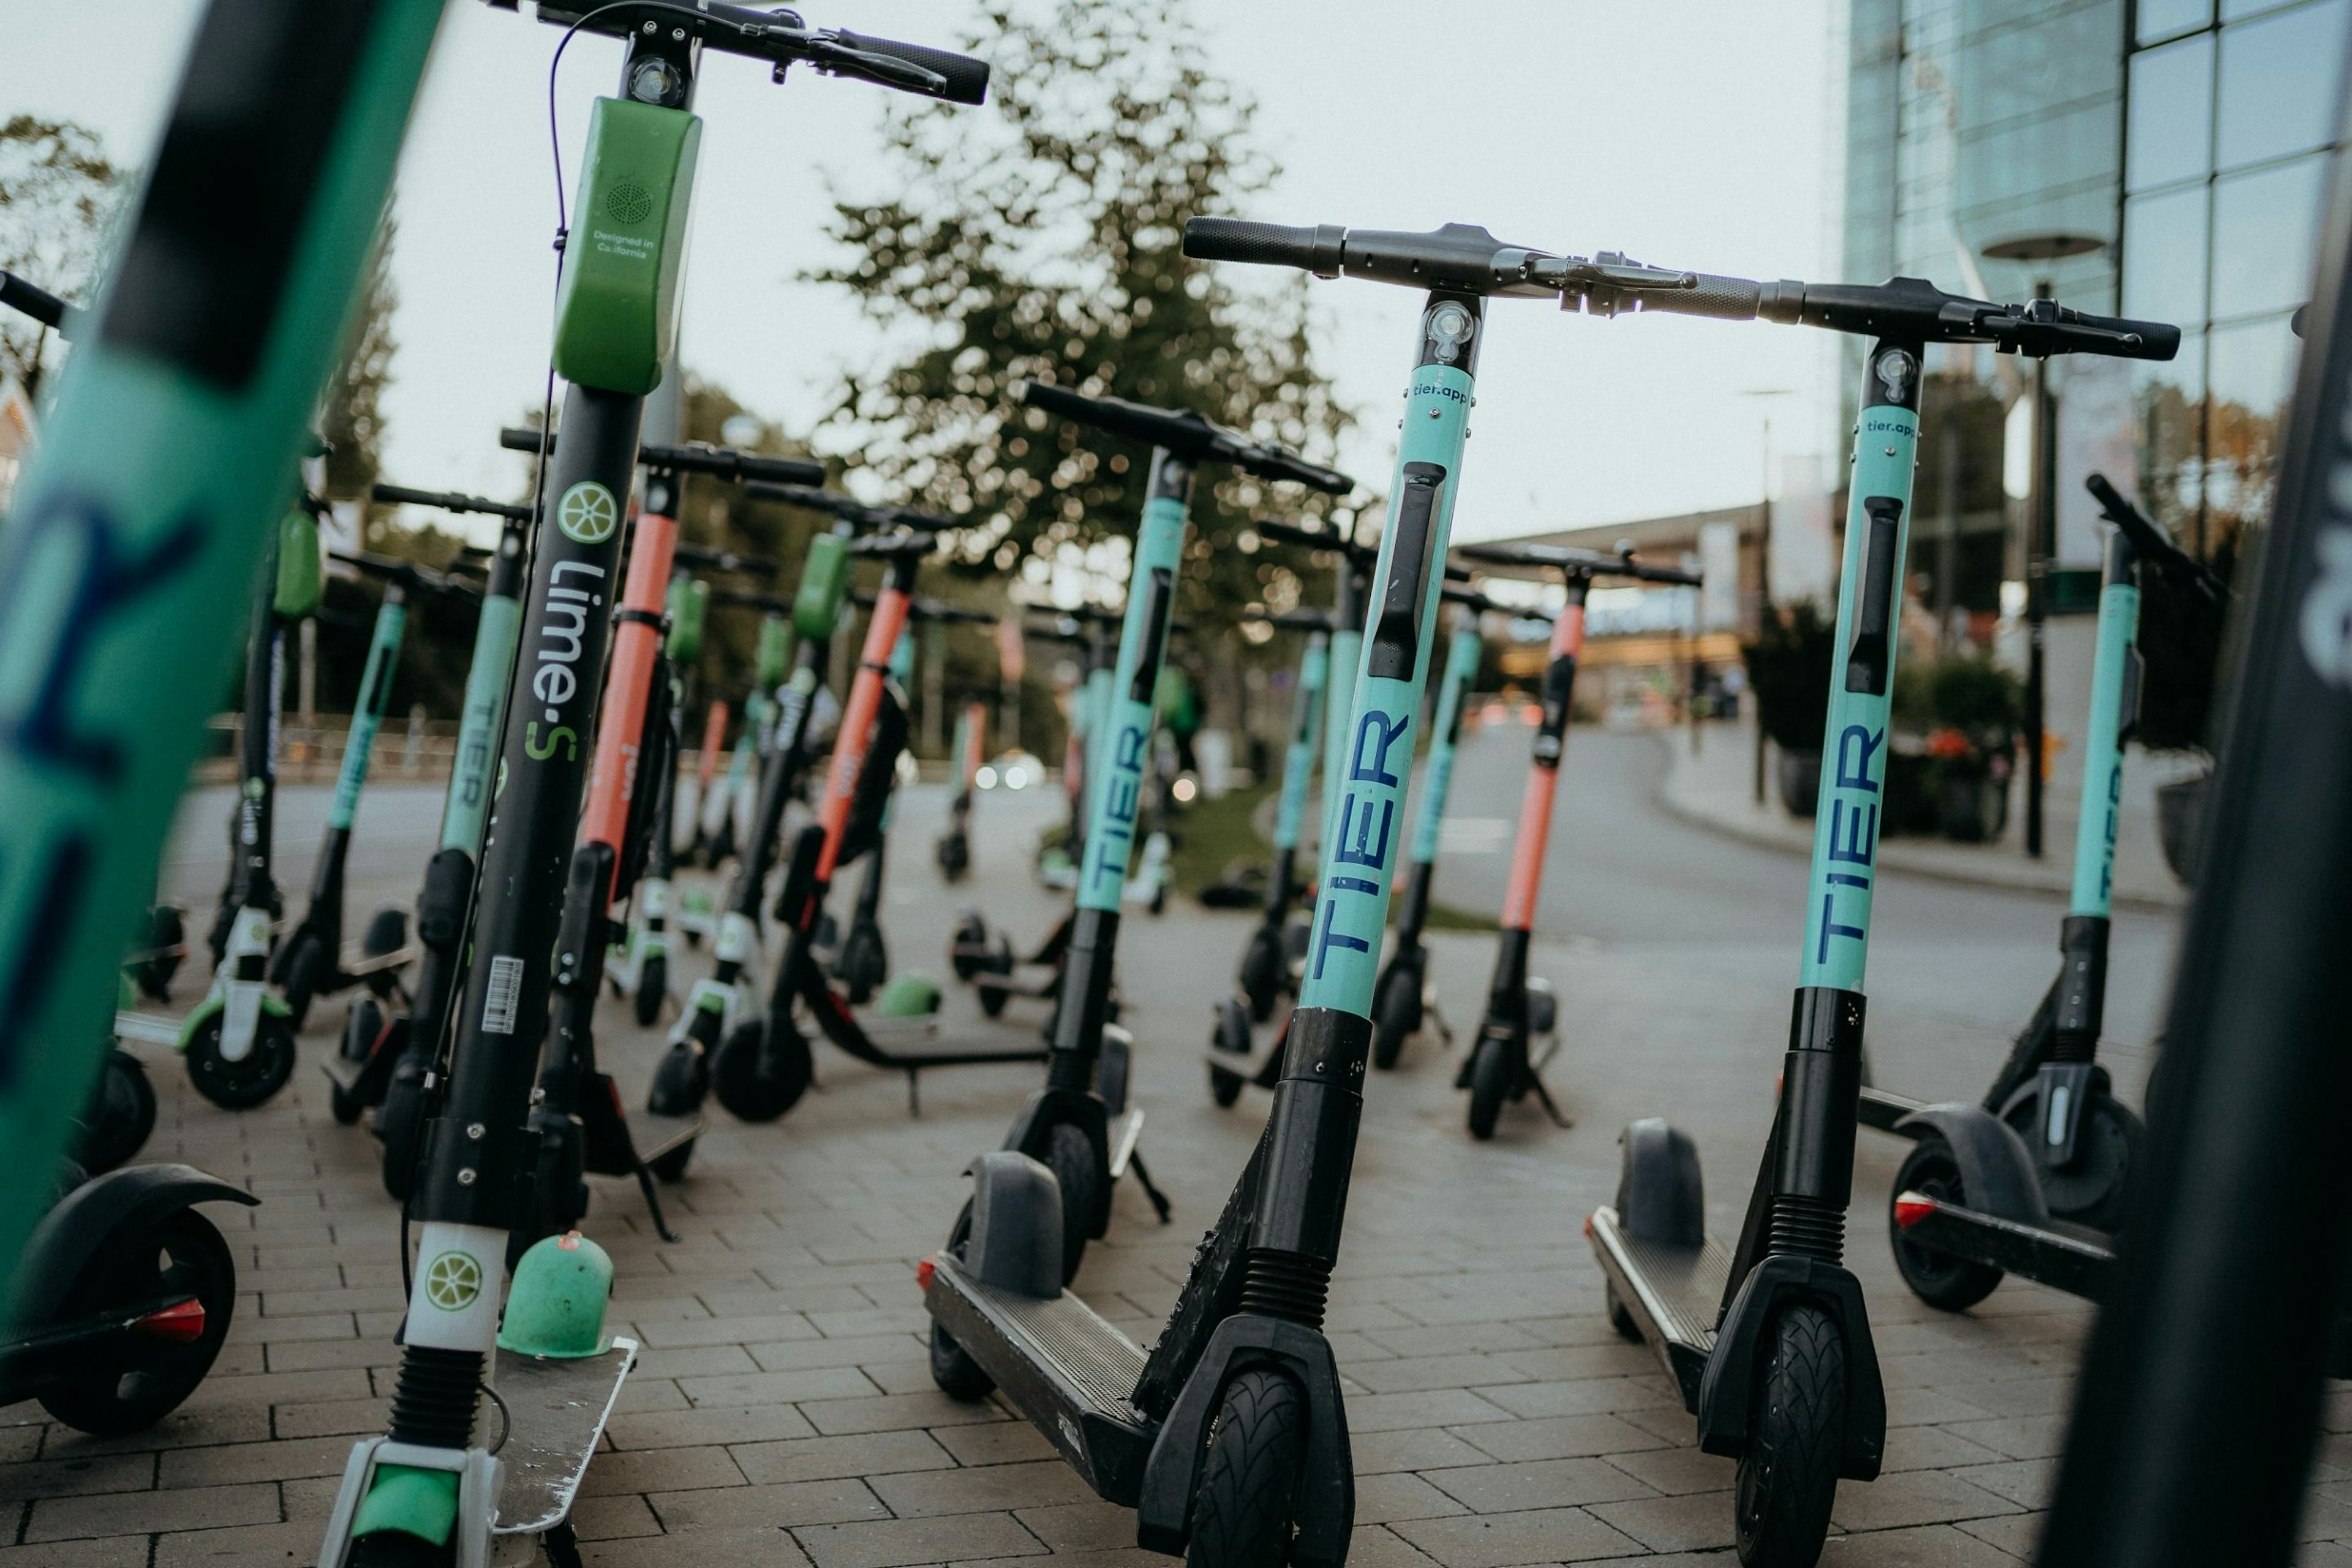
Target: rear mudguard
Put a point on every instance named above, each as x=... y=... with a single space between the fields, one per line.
x=99 y=1209
x=1996 y=1167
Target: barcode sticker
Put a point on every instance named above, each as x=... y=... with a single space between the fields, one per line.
x=506 y=996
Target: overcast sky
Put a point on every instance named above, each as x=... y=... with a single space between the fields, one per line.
x=1696 y=137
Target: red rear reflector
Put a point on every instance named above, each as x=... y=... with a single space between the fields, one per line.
x=182 y=1324
x=1910 y=1208
x=1588 y=1226
x=923 y=1272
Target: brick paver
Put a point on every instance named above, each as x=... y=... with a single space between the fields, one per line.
x=783 y=1411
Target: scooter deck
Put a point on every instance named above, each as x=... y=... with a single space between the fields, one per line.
x=655 y=1134
x=1674 y=1293
x=148 y=1028
x=2061 y=1254
x=1120 y=1136
x=1881 y=1109
x=1062 y=1366
x=1038 y=984
x=559 y=1409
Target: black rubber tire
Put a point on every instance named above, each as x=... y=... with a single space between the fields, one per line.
x=242 y=1085
x=305 y=965
x=363 y=1025
x=1071 y=1158
x=344 y=1104
x=1946 y=1283
x=398 y=1549
x=954 y=856
x=956 y=1373
x=400 y=1126
x=1490 y=1085
x=747 y=1093
x=652 y=990
x=1260 y=976
x=1620 y=1318
x=681 y=1079
x=861 y=964
x=1787 y=1480
x=992 y=1001
x=121 y=1114
x=2097 y=1186
x=967 y=946
x=1396 y=1013
x=1225 y=1088
x=669 y=1168
x=137 y=1381
x=166 y=932
x=1244 y=1515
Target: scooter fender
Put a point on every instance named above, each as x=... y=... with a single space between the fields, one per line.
x=1325 y=1507
x=216 y=1003
x=99 y=1209
x=2059 y=1091
x=1996 y=1167
x=1727 y=1387
x=1051 y=1108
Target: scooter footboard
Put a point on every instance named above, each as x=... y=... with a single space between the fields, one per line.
x=1670 y=1291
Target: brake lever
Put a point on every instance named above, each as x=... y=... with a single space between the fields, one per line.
x=1610 y=280
x=827 y=55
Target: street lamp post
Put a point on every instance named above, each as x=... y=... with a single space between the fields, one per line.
x=2041 y=529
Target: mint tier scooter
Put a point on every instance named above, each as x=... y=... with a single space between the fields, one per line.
x=310 y=961
x=1769 y=1343
x=1405 y=1000
x=1229 y=1436
x=2040 y=1177
x=698 y=914
x=386 y=1058
x=2198 y=1409
x=861 y=962
x=1083 y=1124
x=432 y=1490
x=985 y=958
x=1502 y=1065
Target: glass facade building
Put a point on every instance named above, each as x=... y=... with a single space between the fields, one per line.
x=2185 y=140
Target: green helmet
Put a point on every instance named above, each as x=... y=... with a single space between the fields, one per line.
x=556 y=1305
x=908 y=996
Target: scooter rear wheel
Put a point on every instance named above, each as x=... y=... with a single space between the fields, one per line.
x=135 y=1380
x=243 y=1084
x=952 y=1369
x=121 y=1114
x=1490 y=1085
x=754 y=1091
x=1947 y=1283
x=652 y=990
x=1231 y=1033
x=1787 y=1480
x=2096 y=1187
x=1244 y=1516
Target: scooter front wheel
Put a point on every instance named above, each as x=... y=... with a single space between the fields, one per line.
x=1787 y=1480
x=1263 y=963
x=757 y=1079
x=652 y=990
x=1244 y=1516
x=398 y=1549
x=400 y=1126
x=245 y=1083
x=1490 y=1085
x=121 y=1114
x=1396 y=1013
x=1230 y=1034
x=683 y=1077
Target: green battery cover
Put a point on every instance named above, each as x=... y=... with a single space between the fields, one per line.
x=616 y=309
x=824 y=578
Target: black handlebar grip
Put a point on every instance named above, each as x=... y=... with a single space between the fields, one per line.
x=31 y=300
x=1723 y=299
x=1280 y=465
x=781 y=470
x=966 y=78
x=1318 y=250
x=2157 y=339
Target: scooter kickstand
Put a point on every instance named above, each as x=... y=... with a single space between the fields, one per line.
x=1159 y=1205
x=653 y=1200
x=914 y=1091
x=1543 y=1095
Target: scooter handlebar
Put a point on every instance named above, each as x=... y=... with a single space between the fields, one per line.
x=694 y=458
x=1183 y=432
x=1575 y=562
x=1318 y=250
x=2154 y=545
x=1310 y=539
x=447 y=501
x=962 y=79
x=32 y=299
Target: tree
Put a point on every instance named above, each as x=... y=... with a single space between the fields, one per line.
x=352 y=416
x=58 y=198
x=1039 y=239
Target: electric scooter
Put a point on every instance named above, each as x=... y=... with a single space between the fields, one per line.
x=952 y=850
x=2040 y=1177
x=387 y=1059
x=1405 y=999
x=685 y=832
x=1768 y=1342
x=862 y=960
x=1502 y=1065
x=1229 y=1437
x=764 y=1065
x=431 y=1489
x=636 y=966
x=1264 y=974
x=310 y=961
x=238 y=1043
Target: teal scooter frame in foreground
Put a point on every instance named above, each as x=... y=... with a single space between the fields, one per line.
x=1769 y=1343
x=1230 y=1433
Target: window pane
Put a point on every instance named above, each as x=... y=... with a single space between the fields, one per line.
x=2171 y=114
x=2265 y=227
x=2171 y=397
x=2252 y=367
x=2162 y=18
x=2164 y=257
x=2279 y=78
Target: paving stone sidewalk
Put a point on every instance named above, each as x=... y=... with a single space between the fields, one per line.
x=783 y=1413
